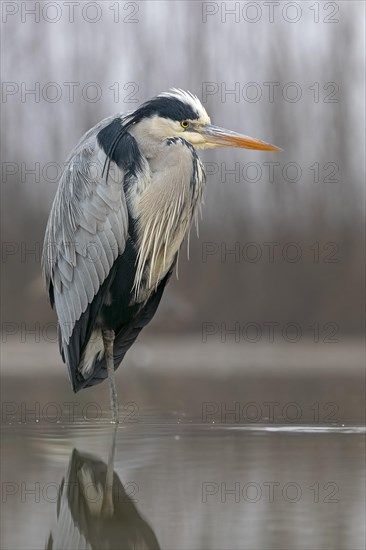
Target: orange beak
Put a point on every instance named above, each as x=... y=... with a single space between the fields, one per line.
x=219 y=137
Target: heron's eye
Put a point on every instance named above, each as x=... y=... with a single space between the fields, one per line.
x=185 y=123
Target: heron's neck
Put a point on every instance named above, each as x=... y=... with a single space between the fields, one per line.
x=148 y=146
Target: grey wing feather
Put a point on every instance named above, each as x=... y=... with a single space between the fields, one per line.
x=86 y=230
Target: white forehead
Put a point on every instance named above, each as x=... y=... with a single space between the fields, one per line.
x=191 y=100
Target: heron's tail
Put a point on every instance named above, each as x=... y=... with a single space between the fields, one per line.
x=93 y=361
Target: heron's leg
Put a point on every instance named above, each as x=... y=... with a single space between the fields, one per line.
x=107 y=504
x=108 y=341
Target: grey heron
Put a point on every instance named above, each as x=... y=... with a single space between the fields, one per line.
x=126 y=199
x=95 y=511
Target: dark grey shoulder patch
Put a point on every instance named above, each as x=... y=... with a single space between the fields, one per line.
x=120 y=147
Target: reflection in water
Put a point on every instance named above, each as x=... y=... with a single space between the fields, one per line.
x=94 y=510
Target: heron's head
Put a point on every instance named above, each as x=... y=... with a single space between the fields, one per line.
x=181 y=114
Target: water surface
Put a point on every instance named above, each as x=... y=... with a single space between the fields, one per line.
x=251 y=460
